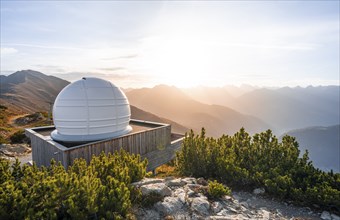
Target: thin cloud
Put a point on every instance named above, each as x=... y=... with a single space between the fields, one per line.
x=112 y=69
x=43 y=46
x=7 y=72
x=8 y=50
x=71 y=76
x=272 y=46
x=121 y=80
x=130 y=56
x=50 y=68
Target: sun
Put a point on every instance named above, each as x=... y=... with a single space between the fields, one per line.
x=183 y=55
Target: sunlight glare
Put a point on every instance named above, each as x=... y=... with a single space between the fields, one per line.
x=183 y=56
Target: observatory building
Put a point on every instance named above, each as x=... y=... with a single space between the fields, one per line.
x=90 y=109
x=92 y=115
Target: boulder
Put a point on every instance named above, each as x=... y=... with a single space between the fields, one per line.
x=156 y=188
x=169 y=206
x=194 y=186
x=148 y=214
x=231 y=209
x=335 y=217
x=216 y=207
x=189 y=180
x=14 y=150
x=259 y=191
x=189 y=192
x=175 y=182
x=244 y=204
x=146 y=181
x=200 y=205
x=265 y=214
x=227 y=198
x=168 y=178
x=326 y=215
x=181 y=194
x=219 y=217
x=223 y=212
x=202 y=181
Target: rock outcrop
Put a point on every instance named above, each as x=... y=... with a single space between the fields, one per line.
x=184 y=198
x=11 y=151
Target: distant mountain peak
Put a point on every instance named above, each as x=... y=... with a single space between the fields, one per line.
x=30 y=90
x=163 y=86
x=28 y=72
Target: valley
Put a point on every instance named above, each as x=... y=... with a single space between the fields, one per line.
x=220 y=111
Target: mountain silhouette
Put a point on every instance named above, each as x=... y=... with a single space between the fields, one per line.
x=171 y=102
x=323 y=145
x=29 y=91
x=283 y=108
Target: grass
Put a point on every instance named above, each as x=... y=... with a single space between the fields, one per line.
x=166 y=170
x=9 y=131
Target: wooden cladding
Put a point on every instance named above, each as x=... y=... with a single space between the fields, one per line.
x=150 y=143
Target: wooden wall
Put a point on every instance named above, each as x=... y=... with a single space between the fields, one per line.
x=137 y=143
x=44 y=149
x=154 y=144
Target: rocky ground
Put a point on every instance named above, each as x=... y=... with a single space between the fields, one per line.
x=12 y=151
x=182 y=198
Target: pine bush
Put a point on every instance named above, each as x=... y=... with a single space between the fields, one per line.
x=217 y=190
x=261 y=160
x=101 y=189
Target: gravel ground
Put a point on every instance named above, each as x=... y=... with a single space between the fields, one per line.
x=287 y=210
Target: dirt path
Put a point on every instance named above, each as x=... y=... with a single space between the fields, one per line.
x=11 y=120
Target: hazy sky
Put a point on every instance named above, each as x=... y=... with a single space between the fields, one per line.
x=134 y=44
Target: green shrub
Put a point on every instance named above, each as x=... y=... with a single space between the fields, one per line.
x=18 y=137
x=100 y=190
x=217 y=190
x=3 y=140
x=261 y=160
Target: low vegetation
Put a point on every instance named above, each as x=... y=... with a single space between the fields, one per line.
x=99 y=190
x=167 y=169
x=12 y=131
x=102 y=189
x=18 y=137
x=217 y=190
x=259 y=161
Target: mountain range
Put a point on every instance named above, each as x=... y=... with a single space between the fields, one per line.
x=171 y=102
x=29 y=91
x=224 y=110
x=283 y=108
x=323 y=144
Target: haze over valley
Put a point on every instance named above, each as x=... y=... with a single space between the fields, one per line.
x=219 y=110
x=170 y=109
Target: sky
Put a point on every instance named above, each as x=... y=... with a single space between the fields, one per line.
x=181 y=43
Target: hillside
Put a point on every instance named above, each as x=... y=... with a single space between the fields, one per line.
x=170 y=102
x=291 y=108
x=225 y=96
x=30 y=90
x=139 y=114
x=323 y=144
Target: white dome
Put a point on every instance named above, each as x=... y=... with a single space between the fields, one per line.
x=90 y=109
